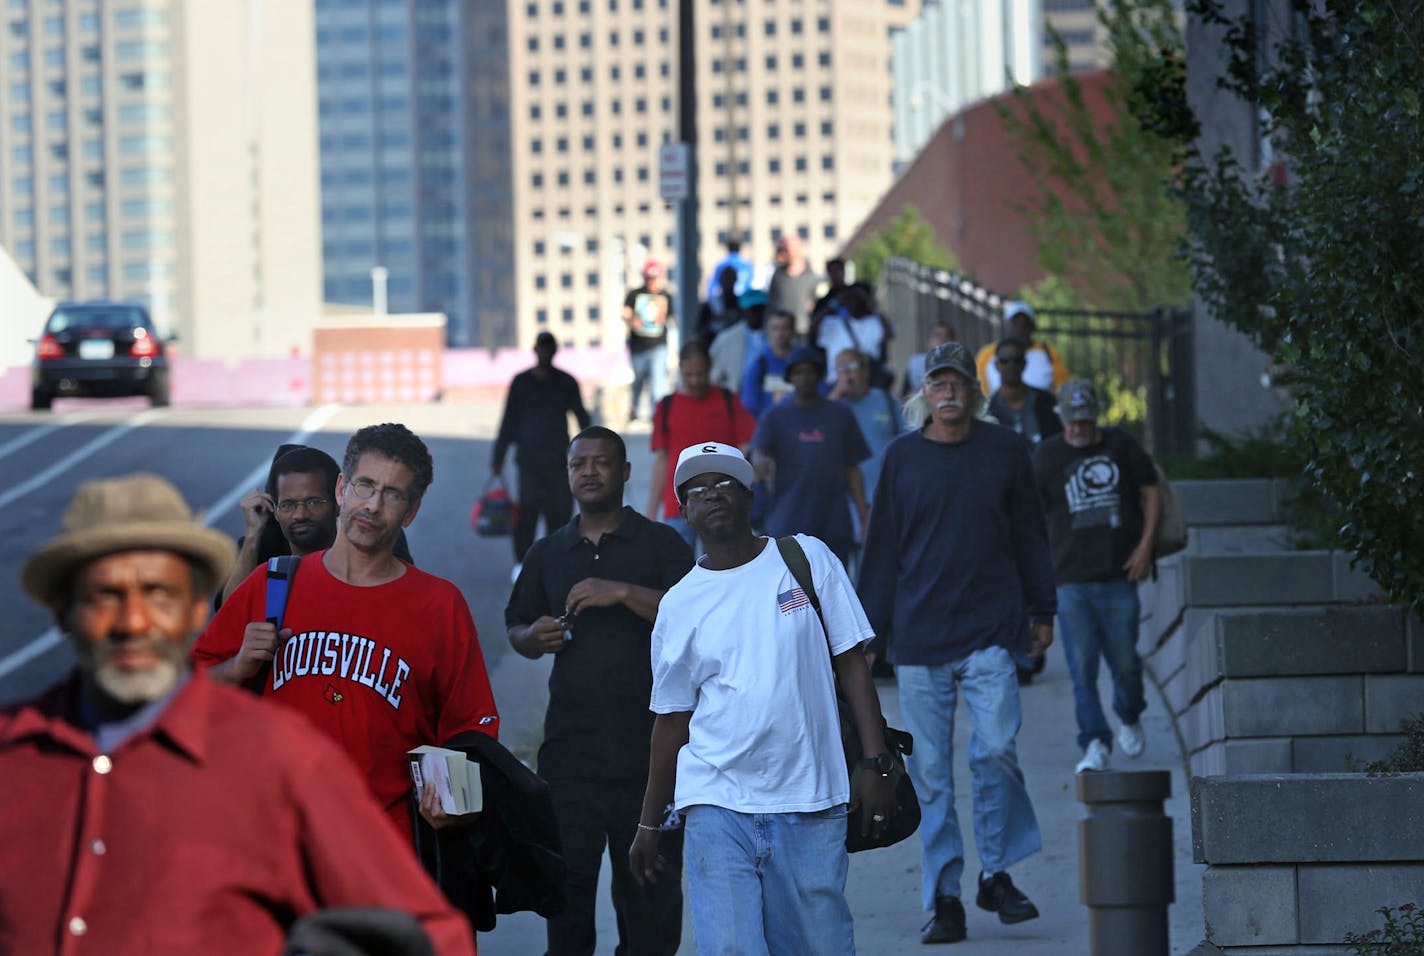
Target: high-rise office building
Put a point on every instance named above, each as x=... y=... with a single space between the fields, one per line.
x=406 y=88
x=793 y=137
x=165 y=151
x=955 y=54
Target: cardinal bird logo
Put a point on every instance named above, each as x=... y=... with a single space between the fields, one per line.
x=332 y=695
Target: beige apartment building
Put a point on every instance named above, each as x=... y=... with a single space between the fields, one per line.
x=166 y=151
x=794 y=136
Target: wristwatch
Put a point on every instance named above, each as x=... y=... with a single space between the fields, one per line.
x=881 y=762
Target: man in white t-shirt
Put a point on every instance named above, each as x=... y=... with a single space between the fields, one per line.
x=747 y=738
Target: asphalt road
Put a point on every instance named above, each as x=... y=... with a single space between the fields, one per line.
x=214 y=456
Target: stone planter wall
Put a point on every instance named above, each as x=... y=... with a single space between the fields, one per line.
x=1274 y=661
x=1297 y=861
x=1281 y=669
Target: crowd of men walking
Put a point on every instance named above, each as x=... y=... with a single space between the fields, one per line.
x=253 y=760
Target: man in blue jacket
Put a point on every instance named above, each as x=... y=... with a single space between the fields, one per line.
x=956 y=556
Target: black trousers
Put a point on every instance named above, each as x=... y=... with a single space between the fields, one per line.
x=594 y=814
x=543 y=490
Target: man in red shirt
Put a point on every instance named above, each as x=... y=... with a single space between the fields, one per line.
x=379 y=654
x=699 y=413
x=149 y=810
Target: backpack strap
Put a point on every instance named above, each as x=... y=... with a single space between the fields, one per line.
x=795 y=557
x=731 y=415
x=281 y=573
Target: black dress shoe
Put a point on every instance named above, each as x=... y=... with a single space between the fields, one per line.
x=947 y=925
x=997 y=894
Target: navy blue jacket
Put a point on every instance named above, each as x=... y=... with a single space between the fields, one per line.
x=956 y=555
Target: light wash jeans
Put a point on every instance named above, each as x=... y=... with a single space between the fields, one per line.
x=765 y=884
x=1098 y=619
x=1005 y=828
x=649 y=369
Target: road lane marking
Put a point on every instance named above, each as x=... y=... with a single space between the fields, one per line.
x=35 y=434
x=47 y=641
x=16 y=492
x=52 y=638
x=257 y=478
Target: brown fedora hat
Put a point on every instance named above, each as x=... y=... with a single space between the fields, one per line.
x=140 y=512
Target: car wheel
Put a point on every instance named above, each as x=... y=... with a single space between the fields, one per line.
x=40 y=400
x=158 y=395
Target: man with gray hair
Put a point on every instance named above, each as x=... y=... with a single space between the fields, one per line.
x=149 y=809
x=956 y=559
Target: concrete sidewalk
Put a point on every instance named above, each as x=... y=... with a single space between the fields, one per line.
x=884 y=885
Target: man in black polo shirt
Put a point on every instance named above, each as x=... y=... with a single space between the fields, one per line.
x=588 y=593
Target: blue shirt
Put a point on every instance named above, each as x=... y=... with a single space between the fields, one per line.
x=812 y=446
x=743 y=269
x=878 y=416
x=956 y=555
x=762 y=367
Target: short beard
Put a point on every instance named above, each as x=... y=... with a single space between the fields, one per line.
x=140 y=688
x=134 y=688
x=320 y=537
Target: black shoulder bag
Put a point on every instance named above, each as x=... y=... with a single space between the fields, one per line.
x=906 y=817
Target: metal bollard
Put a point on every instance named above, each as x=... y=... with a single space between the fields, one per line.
x=1125 y=861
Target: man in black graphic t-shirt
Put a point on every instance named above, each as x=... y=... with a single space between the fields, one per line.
x=1102 y=503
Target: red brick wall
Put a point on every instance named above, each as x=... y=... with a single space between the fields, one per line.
x=965 y=182
x=377 y=363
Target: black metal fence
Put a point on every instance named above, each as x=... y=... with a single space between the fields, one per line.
x=1141 y=361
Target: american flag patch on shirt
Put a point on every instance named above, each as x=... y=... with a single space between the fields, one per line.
x=788 y=601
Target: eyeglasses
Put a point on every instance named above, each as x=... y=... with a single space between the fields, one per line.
x=364 y=488
x=698 y=492
x=288 y=505
x=1010 y=361
x=848 y=367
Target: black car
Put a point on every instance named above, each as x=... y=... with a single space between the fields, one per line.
x=99 y=349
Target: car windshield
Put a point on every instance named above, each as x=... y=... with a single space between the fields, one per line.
x=116 y=318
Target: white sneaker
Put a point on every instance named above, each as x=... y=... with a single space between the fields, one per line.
x=514 y=573
x=1095 y=757
x=1130 y=739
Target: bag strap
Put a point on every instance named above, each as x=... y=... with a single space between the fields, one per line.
x=795 y=557
x=731 y=414
x=281 y=573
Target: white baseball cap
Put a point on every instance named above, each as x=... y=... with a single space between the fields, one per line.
x=712 y=456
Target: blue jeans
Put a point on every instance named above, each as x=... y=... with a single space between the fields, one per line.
x=1005 y=828
x=1099 y=619
x=767 y=883
x=649 y=369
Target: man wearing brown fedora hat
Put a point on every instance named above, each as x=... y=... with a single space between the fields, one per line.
x=147 y=808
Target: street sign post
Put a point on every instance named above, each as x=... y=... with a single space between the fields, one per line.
x=674 y=162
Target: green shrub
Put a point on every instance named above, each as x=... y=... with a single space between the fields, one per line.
x=1408 y=757
x=1316 y=257
x=1401 y=935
